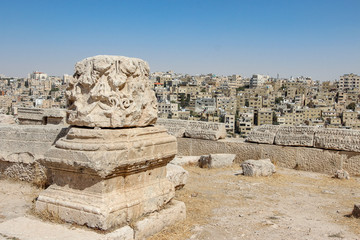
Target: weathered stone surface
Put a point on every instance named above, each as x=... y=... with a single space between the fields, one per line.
x=177 y=175
x=31 y=116
x=263 y=134
x=35 y=229
x=338 y=139
x=7 y=119
x=105 y=152
x=262 y=167
x=193 y=129
x=185 y=160
x=295 y=136
x=356 y=211
x=222 y=160
x=173 y=126
x=111 y=91
x=105 y=178
x=302 y=158
x=41 y=116
x=22 y=146
x=205 y=130
x=26 y=228
x=342 y=174
x=216 y=160
x=172 y=213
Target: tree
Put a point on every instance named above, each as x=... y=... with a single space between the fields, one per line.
x=239 y=89
x=246 y=103
x=311 y=104
x=351 y=106
x=278 y=100
x=222 y=118
x=274 y=119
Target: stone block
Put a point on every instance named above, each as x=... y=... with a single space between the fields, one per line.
x=185 y=160
x=263 y=134
x=262 y=167
x=295 y=136
x=175 y=211
x=177 y=175
x=173 y=126
x=7 y=119
x=338 y=139
x=216 y=160
x=205 y=130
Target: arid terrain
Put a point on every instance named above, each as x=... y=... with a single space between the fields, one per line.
x=288 y=205
x=224 y=205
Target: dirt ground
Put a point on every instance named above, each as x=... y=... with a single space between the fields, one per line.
x=224 y=205
x=288 y=205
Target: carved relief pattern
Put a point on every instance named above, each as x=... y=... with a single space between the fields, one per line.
x=111 y=91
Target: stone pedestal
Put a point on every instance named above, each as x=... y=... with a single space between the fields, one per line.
x=106 y=178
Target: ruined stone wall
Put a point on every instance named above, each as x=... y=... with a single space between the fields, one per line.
x=40 y=116
x=22 y=146
x=193 y=129
x=301 y=158
x=304 y=136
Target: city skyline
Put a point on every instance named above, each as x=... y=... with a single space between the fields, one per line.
x=291 y=38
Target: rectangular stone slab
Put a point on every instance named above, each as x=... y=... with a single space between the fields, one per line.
x=295 y=136
x=338 y=139
x=263 y=134
x=205 y=130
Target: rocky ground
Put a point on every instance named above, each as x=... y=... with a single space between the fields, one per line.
x=288 y=205
x=224 y=205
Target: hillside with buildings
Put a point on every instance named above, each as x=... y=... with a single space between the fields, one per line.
x=241 y=103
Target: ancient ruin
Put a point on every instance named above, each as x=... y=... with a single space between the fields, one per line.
x=111 y=91
x=115 y=173
x=194 y=129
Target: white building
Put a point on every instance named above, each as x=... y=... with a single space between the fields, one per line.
x=38 y=76
x=349 y=81
x=258 y=80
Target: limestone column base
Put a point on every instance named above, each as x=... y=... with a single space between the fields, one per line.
x=106 y=178
x=31 y=228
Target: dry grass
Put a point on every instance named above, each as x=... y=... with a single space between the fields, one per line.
x=207 y=188
x=199 y=204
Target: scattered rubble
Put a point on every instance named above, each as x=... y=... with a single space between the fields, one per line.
x=216 y=160
x=356 y=211
x=185 y=160
x=177 y=175
x=262 y=167
x=342 y=174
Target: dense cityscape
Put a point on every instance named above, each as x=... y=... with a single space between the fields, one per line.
x=239 y=102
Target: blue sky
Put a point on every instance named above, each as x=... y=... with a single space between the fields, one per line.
x=318 y=38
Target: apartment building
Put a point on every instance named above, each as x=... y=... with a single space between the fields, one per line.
x=264 y=116
x=349 y=81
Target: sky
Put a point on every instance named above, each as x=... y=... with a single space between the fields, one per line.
x=315 y=38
